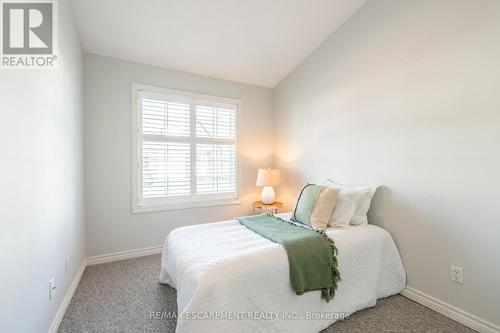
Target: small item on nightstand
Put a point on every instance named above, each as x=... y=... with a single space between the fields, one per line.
x=269 y=208
x=267 y=178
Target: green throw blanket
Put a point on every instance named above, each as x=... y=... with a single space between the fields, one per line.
x=312 y=256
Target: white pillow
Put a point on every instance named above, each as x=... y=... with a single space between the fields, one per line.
x=363 y=201
x=360 y=197
x=343 y=210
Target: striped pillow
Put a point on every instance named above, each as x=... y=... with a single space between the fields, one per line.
x=315 y=205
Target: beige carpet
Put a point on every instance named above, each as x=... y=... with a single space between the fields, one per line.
x=119 y=297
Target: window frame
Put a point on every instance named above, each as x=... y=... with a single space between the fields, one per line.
x=190 y=201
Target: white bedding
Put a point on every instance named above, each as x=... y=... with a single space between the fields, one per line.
x=230 y=279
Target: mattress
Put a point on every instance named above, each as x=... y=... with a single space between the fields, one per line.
x=230 y=279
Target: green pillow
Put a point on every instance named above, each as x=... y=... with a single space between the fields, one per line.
x=315 y=205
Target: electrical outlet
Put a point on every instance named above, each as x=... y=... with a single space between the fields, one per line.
x=66 y=263
x=457 y=274
x=52 y=288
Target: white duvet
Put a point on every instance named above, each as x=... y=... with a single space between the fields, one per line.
x=230 y=279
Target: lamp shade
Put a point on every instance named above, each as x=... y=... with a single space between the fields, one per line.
x=268 y=177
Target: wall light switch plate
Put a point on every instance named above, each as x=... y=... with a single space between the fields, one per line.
x=457 y=274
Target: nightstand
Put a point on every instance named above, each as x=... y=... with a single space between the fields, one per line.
x=271 y=208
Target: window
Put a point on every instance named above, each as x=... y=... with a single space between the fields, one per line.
x=185 y=149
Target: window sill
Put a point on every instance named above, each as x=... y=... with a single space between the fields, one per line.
x=186 y=205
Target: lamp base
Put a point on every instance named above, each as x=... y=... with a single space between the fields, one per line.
x=267 y=196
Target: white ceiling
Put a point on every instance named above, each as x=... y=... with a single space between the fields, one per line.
x=251 y=41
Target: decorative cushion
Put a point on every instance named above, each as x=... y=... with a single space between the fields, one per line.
x=352 y=205
x=323 y=207
x=363 y=202
x=315 y=205
x=344 y=210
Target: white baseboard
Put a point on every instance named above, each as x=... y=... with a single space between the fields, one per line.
x=67 y=298
x=426 y=300
x=95 y=260
x=123 y=255
x=450 y=311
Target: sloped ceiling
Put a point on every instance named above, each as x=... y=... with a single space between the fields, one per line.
x=251 y=41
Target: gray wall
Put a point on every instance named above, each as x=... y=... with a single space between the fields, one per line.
x=41 y=189
x=405 y=95
x=110 y=225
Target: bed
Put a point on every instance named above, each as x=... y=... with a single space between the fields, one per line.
x=230 y=279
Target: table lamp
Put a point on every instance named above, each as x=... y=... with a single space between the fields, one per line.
x=268 y=178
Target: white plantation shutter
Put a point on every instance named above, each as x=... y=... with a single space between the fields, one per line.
x=187 y=149
x=215 y=122
x=165 y=169
x=215 y=168
x=165 y=118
